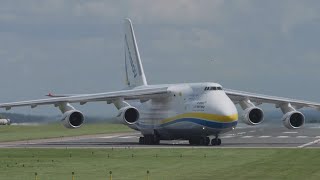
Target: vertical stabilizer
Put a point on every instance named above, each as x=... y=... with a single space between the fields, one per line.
x=134 y=70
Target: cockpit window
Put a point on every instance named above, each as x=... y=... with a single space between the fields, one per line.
x=212 y=88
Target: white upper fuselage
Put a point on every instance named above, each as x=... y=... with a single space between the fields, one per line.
x=201 y=109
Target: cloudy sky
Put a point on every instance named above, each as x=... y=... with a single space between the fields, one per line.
x=76 y=46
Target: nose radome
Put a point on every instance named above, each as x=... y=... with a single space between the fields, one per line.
x=223 y=106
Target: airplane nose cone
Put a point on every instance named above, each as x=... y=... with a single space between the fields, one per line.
x=224 y=107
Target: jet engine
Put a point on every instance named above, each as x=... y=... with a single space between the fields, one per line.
x=72 y=119
x=253 y=116
x=128 y=115
x=293 y=120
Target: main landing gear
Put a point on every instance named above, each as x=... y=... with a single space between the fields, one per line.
x=205 y=141
x=216 y=142
x=149 y=140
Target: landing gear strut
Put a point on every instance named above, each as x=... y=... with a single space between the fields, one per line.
x=149 y=140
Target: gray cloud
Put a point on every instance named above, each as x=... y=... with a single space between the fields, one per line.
x=76 y=46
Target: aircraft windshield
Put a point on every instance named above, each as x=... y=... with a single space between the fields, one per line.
x=212 y=88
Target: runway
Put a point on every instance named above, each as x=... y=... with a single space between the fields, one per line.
x=242 y=137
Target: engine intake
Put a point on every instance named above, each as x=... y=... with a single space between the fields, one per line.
x=253 y=116
x=72 y=119
x=293 y=120
x=128 y=115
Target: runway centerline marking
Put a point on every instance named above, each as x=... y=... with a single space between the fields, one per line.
x=302 y=137
x=128 y=137
x=227 y=136
x=108 y=137
x=282 y=136
x=290 y=132
x=309 y=143
x=246 y=136
x=264 y=136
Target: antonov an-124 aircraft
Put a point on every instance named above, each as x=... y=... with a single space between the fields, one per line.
x=198 y=112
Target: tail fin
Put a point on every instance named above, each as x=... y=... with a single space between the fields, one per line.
x=134 y=70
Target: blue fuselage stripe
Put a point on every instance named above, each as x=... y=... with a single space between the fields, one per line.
x=202 y=122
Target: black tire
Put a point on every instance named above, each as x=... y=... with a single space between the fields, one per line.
x=213 y=142
x=218 y=142
x=141 y=140
x=195 y=141
x=191 y=142
x=148 y=140
x=202 y=141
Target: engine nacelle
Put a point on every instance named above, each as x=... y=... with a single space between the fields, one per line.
x=253 y=116
x=72 y=119
x=128 y=115
x=293 y=120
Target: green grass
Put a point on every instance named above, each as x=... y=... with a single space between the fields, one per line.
x=19 y=132
x=180 y=164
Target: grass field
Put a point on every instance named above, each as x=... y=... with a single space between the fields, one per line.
x=20 y=132
x=58 y=164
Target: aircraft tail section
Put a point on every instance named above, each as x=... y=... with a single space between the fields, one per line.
x=134 y=71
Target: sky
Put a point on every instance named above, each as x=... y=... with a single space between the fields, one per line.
x=77 y=46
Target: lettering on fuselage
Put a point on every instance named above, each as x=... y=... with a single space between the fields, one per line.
x=199 y=106
x=133 y=67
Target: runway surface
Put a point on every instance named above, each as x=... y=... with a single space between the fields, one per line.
x=242 y=137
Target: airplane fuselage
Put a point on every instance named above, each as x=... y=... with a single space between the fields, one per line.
x=191 y=110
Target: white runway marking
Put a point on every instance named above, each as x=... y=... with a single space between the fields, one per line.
x=302 y=137
x=252 y=131
x=264 y=136
x=227 y=136
x=282 y=136
x=318 y=137
x=309 y=143
x=241 y=133
x=128 y=137
x=246 y=136
x=290 y=132
x=108 y=137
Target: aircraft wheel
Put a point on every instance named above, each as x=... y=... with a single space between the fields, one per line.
x=195 y=141
x=148 y=140
x=141 y=140
x=156 y=141
x=218 y=141
x=213 y=142
x=191 y=142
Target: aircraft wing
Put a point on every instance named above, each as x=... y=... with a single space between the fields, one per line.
x=238 y=96
x=134 y=94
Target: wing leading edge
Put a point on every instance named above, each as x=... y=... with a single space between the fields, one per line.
x=238 y=96
x=134 y=94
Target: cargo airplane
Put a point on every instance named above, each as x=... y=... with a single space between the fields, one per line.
x=198 y=112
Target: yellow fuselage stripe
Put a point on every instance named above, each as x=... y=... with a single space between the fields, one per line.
x=205 y=116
